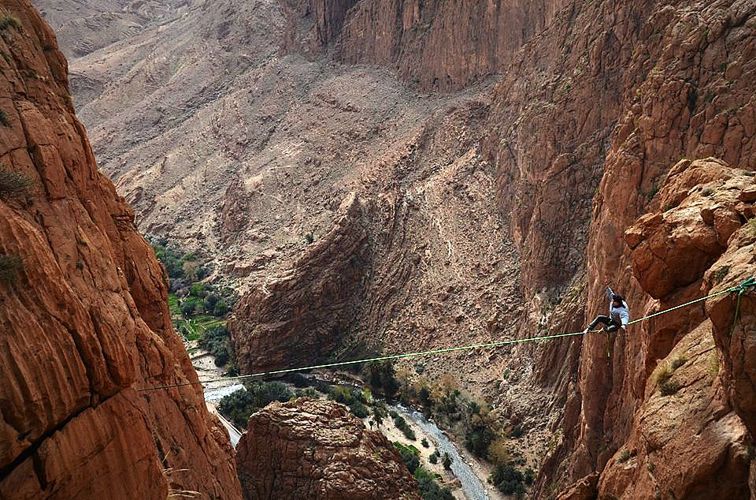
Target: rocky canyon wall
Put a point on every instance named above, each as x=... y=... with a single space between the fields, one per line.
x=83 y=311
x=684 y=90
x=435 y=45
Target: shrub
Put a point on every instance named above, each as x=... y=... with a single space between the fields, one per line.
x=517 y=432
x=4 y=120
x=508 y=480
x=402 y=425
x=382 y=377
x=220 y=309
x=359 y=409
x=8 y=20
x=188 y=308
x=678 y=362
x=10 y=265
x=309 y=238
x=433 y=458
x=13 y=184
x=429 y=488
x=669 y=387
x=624 y=456
x=378 y=415
x=409 y=456
x=529 y=476
x=197 y=290
x=478 y=439
x=498 y=452
x=447 y=461
x=425 y=444
x=239 y=405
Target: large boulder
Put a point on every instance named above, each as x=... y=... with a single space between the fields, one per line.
x=318 y=450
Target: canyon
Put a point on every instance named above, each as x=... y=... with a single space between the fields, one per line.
x=386 y=176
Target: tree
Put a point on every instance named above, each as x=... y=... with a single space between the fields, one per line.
x=447 y=461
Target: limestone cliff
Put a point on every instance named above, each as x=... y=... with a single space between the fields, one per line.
x=318 y=450
x=83 y=312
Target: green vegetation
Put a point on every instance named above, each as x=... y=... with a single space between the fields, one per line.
x=433 y=458
x=410 y=456
x=667 y=386
x=351 y=397
x=13 y=184
x=429 y=488
x=10 y=266
x=381 y=378
x=238 y=406
x=216 y=341
x=447 y=461
x=424 y=443
x=198 y=309
x=8 y=20
x=625 y=456
x=403 y=426
x=510 y=481
x=4 y=120
x=720 y=274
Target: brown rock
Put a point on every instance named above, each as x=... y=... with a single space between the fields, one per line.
x=84 y=317
x=299 y=317
x=317 y=449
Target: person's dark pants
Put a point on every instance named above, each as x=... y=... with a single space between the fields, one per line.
x=609 y=324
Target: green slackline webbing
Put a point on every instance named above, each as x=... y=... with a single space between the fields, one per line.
x=741 y=289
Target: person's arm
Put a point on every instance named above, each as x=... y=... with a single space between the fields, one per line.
x=609 y=294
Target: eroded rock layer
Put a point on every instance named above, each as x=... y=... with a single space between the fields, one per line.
x=319 y=450
x=83 y=312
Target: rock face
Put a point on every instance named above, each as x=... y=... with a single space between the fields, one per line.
x=317 y=449
x=83 y=313
x=300 y=317
x=678 y=100
x=435 y=45
x=689 y=427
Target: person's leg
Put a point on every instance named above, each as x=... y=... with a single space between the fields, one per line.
x=604 y=320
x=613 y=326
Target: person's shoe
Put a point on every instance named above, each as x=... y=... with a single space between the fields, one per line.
x=587 y=330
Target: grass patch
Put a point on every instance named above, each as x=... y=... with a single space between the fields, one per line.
x=625 y=456
x=678 y=362
x=667 y=386
x=8 y=20
x=13 y=184
x=10 y=266
x=751 y=227
x=720 y=274
x=712 y=365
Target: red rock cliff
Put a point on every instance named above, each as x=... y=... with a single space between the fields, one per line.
x=680 y=79
x=433 y=44
x=83 y=312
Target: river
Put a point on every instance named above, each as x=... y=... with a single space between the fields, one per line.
x=472 y=486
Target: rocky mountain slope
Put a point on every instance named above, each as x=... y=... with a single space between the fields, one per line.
x=467 y=172
x=319 y=450
x=83 y=312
